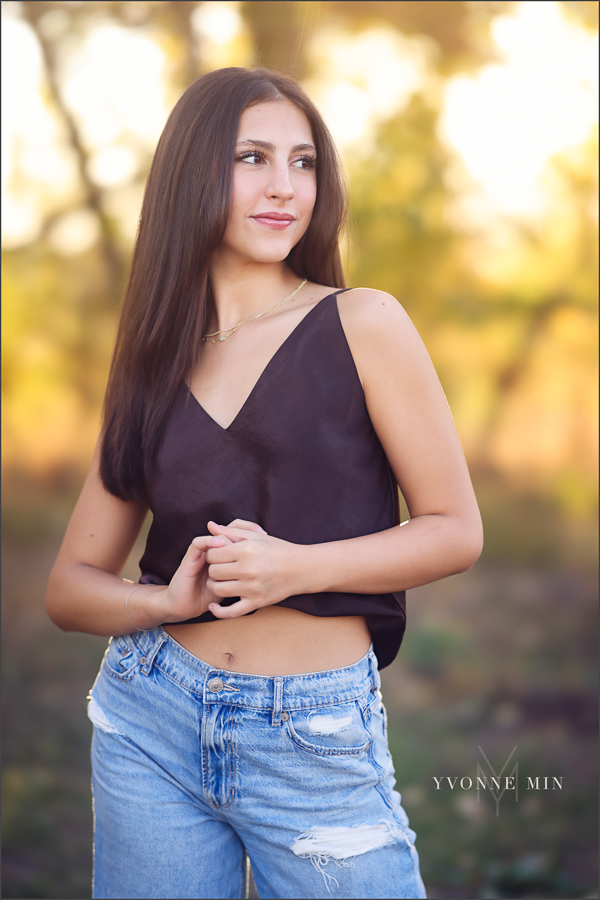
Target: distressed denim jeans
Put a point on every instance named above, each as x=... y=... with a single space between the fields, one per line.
x=195 y=767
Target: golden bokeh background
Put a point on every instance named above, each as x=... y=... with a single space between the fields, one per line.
x=468 y=131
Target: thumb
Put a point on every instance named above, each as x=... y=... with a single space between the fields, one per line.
x=225 y=532
x=240 y=608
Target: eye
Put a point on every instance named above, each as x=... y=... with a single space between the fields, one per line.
x=251 y=156
x=304 y=162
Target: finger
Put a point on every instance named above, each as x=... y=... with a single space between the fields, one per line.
x=236 y=534
x=222 y=572
x=204 y=541
x=243 y=523
x=221 y=529
x=226 y=554
x=223 y=588
x=195 y=555
x=241 y=608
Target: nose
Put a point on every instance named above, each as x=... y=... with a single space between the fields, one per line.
x=280 y=186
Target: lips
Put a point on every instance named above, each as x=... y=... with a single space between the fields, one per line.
x=274 y=220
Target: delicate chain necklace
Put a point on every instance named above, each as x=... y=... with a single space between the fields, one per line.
x=227 y=332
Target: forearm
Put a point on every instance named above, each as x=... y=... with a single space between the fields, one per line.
x=83 y=598
x=420 y=551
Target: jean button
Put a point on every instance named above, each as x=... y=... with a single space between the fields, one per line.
x=143 y=661
x=284 y=717
x=215 y=685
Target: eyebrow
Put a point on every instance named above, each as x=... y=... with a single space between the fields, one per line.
x=264 y=145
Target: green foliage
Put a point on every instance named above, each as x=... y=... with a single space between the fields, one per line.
x=500 y=657
x=403 y=241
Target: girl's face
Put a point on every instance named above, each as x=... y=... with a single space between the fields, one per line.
x=274 y=184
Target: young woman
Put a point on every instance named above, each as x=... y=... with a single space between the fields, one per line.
x=265 y=414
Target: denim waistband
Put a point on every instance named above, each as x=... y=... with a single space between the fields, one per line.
x=266 y=692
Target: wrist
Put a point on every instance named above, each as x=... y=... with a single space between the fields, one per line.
x=311 y=568
x=145 y=606
x=174 y=608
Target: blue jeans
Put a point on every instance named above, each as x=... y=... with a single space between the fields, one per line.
x=195 y=767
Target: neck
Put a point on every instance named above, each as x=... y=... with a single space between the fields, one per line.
x=246 y=290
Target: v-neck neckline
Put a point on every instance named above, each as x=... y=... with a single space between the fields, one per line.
x=265 y=370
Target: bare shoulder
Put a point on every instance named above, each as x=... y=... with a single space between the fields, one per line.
x=377 y=326
x=374 y=315
x=368 y=304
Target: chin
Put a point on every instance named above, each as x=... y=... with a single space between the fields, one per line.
x=273 y=247
x=269 y=255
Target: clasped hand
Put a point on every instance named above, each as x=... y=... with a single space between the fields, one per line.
x=259 y=569
x=235 y=560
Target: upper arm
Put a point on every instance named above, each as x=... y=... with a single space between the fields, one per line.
x=407 y=406
x=102 y=529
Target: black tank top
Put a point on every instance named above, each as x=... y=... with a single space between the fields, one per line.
x=301 y=459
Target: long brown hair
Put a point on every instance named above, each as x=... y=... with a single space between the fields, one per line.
x=183 y=219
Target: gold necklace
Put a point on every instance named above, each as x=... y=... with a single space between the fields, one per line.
x=227 y=332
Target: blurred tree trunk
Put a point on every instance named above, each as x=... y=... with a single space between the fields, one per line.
x=281 y=32
x=109 y=247
x=179 y=14
x=510 y=376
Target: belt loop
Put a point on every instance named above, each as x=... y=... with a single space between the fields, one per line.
x=148 y=660
x=277 y=699
x=375 y=676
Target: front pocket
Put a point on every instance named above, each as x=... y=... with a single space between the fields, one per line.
x=337 y=730
x=121 y=657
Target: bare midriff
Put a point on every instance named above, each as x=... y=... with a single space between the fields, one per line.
x=276 y=641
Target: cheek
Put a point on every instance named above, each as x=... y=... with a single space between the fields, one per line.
x=243 y=195
x=306 y=196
